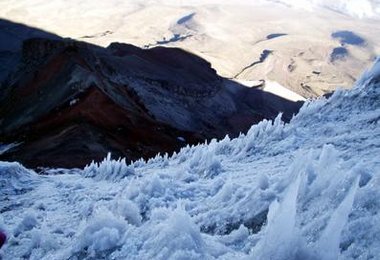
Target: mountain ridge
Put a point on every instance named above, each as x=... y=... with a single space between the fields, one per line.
x=168 y=89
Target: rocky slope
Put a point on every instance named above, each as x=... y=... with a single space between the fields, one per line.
x=68 y=102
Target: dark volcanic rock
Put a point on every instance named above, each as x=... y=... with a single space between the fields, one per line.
x=12 y=36
x=70 y=102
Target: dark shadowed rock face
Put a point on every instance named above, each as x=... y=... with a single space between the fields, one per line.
x=70 y=102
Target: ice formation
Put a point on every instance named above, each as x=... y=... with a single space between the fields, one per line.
x=304 y=190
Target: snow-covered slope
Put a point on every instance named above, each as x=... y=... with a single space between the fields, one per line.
x=305 y=190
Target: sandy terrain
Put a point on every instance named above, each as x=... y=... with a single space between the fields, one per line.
x=296 y=35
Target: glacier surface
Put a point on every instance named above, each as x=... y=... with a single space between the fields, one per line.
x=304 y=190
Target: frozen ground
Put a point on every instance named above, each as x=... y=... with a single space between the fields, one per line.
x=305 y=190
